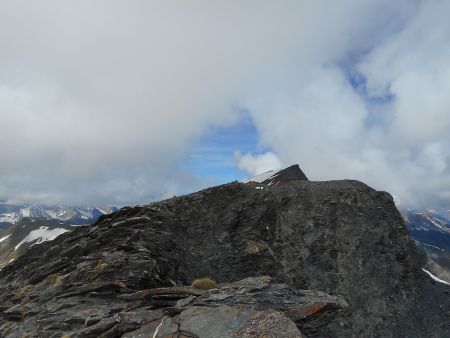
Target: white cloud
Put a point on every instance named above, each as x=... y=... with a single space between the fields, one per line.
x=257 y=164
x=395 y=136
x=100 y=101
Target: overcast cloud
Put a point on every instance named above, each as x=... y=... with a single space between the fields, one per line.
x=101 y=100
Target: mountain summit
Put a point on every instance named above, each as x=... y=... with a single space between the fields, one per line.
x=295 y=259
x=292 y=173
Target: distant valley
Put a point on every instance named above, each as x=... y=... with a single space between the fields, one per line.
x=430 y=230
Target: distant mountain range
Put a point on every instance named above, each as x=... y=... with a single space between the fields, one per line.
x=431 y=231
x=12 y=213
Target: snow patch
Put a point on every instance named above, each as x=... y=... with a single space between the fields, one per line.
x=5 y=264
x=4 y=238
x=435 y=278
x=26 y=212
x=42 y=234
x=262 y=177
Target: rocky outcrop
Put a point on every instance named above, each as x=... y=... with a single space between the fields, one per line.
x=339 y=238
x=253 y=307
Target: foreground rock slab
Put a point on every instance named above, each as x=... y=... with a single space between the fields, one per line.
x=253 y=307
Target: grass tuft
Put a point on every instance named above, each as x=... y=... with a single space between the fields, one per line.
x=204 y=283
x=23 y=291
x=55 y=279
x=100 y=265
x=28 y=335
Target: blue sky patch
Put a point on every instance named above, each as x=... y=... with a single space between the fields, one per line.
x=213 y=155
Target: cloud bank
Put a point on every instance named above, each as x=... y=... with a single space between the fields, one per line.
x=100 y=101
x=258 y=164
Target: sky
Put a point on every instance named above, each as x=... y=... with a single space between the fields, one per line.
x=125 y=102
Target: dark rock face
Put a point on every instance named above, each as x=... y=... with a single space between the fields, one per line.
x=292 y=173
x=339 y=237
x=289 y=174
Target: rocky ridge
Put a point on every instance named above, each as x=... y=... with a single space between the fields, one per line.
x=333 y=258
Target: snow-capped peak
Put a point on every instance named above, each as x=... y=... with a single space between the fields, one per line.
x=289 y=174
x=262 y=177
x=11 y=213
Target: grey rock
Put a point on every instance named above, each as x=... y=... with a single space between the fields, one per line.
x=270 y=324
x=226 y=320
x=289 y=174
x=314 y=239
x=97 y=329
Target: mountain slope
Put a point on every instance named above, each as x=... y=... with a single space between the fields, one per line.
x=431 y=231
x=15 y=240
x=31 y=225
x=292 y=173
x=341 y=237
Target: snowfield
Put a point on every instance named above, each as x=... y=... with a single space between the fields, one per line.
x=42 y=234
